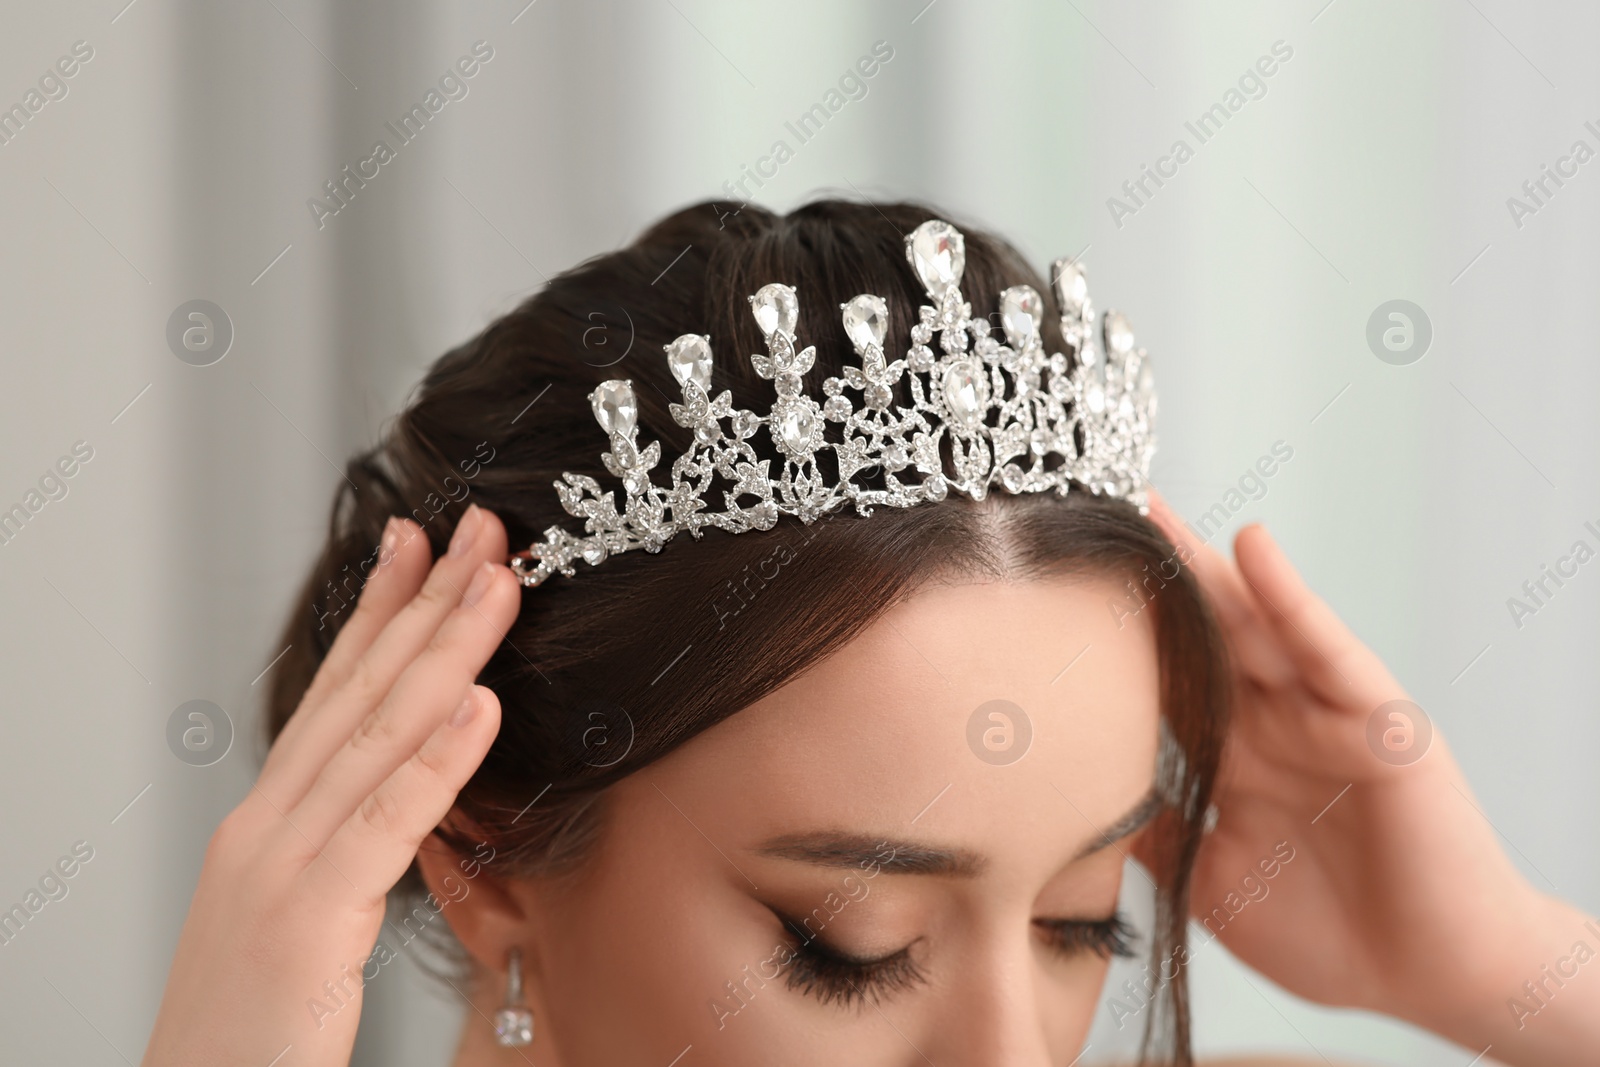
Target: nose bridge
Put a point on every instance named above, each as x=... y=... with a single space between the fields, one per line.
x=995 y=1017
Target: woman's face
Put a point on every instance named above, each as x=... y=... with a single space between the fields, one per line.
x=902 y=853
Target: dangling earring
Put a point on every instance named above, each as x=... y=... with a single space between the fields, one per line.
x=513 y=1023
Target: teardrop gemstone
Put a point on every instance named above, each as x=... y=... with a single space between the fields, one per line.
x=614 y=406
x=689 y=357
x=1119 y=332
x=776 y=309
x=1021 y=312
x=866 y=320
x=1071 y=286
x=966 y=391
x=1147 y=381
x=938 y=253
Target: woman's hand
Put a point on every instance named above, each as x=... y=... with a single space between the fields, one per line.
x=292 y=893
x=1397 y=897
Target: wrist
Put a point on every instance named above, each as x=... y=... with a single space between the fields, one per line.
x=1531 y=990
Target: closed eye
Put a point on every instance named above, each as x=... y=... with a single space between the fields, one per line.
x=1105 y=938
x=837 y=977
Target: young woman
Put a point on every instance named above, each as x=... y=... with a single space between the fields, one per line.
x=817 y=784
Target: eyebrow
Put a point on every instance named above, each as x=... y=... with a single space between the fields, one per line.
x=1137 y=818
x=830 y=849
x=899 y=856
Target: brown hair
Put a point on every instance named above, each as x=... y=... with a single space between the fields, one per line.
x=653 y=648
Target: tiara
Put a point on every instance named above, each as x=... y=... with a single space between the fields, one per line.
x=1084 y=420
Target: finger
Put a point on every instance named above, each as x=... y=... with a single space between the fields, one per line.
x=479 y=537
x=1256 y=648
x=377 y=843
x=1217 y=575
x=403 y=560
x=420 y=700
x=1337 y=666
x=401 y=564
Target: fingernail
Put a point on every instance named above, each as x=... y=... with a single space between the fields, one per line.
x=480 y=582
x=466 y=710
x=391 y=538
x=466 y=531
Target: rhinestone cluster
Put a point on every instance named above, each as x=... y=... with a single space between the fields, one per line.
x=1005 y=406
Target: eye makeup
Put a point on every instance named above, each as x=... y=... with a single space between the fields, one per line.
x=1105 y=938
x=836 y=977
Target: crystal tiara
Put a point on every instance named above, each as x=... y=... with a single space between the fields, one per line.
x=1092 y=413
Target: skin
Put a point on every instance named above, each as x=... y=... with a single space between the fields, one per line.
x=625 y=958
x=293 y=886
x=682 y=888
x=1401 y=899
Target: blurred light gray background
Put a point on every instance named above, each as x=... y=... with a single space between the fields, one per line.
x=1376 y=163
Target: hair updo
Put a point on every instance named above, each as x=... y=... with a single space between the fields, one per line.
x=653 y=648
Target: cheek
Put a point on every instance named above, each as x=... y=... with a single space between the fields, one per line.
x=1071 y=986
x=646 y=936
x=1068 y=996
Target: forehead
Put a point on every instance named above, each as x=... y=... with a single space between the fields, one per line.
x=986 y=715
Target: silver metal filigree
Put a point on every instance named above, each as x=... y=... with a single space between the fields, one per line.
x=1009 y=414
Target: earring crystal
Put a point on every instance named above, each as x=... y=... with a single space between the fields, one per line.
x=513 y=1023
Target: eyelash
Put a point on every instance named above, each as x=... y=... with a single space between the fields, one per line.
x=836 y=978
x=1103 y=937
